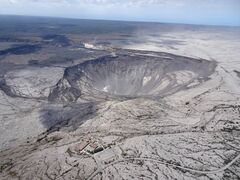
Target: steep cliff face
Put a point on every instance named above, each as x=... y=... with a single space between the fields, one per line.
x=130 y=76
x=64 y=92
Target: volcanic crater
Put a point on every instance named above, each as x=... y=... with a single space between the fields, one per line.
x=131 y=76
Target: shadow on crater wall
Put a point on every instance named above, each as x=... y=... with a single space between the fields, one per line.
x=69 y=117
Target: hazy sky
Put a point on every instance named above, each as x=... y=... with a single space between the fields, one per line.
x=215 y=12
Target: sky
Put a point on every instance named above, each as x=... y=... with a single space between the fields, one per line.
x=207 y=12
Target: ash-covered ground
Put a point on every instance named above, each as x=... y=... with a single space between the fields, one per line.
x=84 y=99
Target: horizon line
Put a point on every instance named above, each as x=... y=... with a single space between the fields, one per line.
x=121 y=20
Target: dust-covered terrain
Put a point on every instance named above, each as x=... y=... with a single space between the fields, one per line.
x=83 y=99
